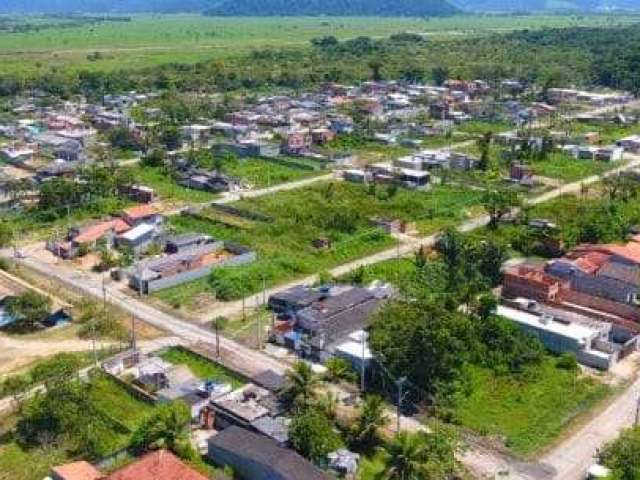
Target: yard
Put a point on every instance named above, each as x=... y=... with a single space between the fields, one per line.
x=568 y=169
x=527 y=411
x=337 y=211
x=201 y=367
x=609 y=132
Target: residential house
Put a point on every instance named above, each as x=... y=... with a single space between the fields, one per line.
x=142 y=214
x=296 y=142
x=155 y=465
x=140 y=237
x=256 y=457
x=630 y=143
x=186 y=265
x=561 y=336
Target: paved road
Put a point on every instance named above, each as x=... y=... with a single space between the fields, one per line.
x=8 y=405
x=571 y=458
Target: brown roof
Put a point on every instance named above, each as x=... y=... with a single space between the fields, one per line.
x=140 y=211
x=94 y=232
x=77 y=471
x=158 y=465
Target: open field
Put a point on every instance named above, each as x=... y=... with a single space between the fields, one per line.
x=568 y=169
x=530 y=412
x=338 y=211
x=149 y=40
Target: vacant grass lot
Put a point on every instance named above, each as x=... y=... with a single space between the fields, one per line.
x=568 y=169
x=201 y=367
x=609 y=132
x=338 y=211
x=528 y=412
x=254 y=172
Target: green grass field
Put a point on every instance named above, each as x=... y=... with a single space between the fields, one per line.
x=568 y=169
x=201 y=367
x=157 y=39
x=338 y=211
x=530 y=413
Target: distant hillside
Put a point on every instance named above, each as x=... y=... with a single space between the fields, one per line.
x=414 y=8
x=541 y=5
x=105 y=6
x=238 y=7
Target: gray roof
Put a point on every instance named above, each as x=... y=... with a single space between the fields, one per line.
x=339 y=314
x=619 y=271
x=299 y=296
x=187 y=238
x=256 y=448
x=276 y=428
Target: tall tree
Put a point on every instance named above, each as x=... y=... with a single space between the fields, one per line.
x=300 y=386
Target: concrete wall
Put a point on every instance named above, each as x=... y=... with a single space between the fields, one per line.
x=180 y=278
x=589 y=359
x=623 y=310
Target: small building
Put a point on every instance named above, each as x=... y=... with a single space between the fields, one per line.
x=142 y=214
x=179 y=243
x=257 y=457
x=138 y=193
x=521 y=173
x=244 y=406
x=561 y=336
x=139 y=238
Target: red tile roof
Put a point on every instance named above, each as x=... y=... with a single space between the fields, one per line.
x=532 y=274
x=591 y=262
x=630 y=251
x=77 y=471
x=140 y=211
x=158 y=465
x=120 y=226
x=94 y=232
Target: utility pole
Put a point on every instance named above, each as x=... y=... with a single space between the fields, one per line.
x=217 y=338
x=399 y=383
x=133 y=333
x=258 y=324
x=362 y=367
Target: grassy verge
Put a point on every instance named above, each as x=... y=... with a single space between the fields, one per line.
x=528 y=411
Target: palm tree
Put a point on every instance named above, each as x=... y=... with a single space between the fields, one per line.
x=405 y=458
x=300 y=385
x=420 y=456
x=371 y=419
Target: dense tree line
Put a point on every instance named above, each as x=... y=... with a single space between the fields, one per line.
x=426 y=336
x=549 y=57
